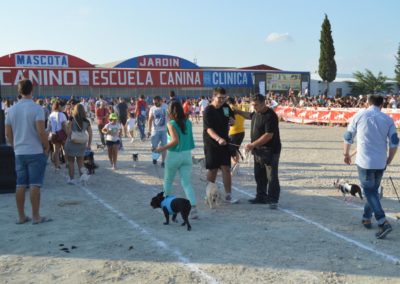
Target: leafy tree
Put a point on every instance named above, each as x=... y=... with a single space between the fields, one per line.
x=397 y=68
x=327 y=64
x=368 y=83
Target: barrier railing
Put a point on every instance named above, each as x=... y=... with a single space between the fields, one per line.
x=326 y=115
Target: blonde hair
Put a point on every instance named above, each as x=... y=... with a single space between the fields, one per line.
x=79 y=114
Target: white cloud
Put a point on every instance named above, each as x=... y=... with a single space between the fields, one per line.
x=275 y=37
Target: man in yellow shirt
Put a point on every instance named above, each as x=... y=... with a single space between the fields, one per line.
x=236 y=134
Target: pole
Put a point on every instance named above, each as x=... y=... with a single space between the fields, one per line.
x=2 y=121
x=394 y=189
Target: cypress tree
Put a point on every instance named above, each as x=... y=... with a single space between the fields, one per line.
x=397 y=68
x=327 y=64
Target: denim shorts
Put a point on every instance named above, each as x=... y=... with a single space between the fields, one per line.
x=158 y=138
x=30 y=170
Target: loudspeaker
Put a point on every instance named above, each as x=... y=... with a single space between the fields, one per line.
x=8 y=177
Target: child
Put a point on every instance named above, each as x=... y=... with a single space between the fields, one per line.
x=131 y=122
x=113 y=130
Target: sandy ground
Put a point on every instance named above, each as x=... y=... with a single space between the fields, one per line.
x=314 y=237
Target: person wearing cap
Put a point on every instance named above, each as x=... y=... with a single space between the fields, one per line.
x=113 y=132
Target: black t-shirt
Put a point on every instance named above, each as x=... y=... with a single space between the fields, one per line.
x=266 y=122
x=218 y=120
x=122 y=109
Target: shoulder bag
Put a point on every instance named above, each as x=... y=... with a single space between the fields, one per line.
x=79 y=137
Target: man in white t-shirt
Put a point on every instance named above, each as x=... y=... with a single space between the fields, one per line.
x=25 y=132
x=203 y=104
x=157 y=126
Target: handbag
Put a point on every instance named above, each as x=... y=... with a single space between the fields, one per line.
x=60 y=136
x=79 y=137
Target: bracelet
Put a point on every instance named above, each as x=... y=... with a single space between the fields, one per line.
x=219 y=138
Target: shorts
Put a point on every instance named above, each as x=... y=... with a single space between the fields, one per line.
x=236 y=139
x=123 y=120
x=112 y=143
x=217 y=157
x=158 y=138
x=30 y=170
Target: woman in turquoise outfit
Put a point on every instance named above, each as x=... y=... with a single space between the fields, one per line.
x=179 y=155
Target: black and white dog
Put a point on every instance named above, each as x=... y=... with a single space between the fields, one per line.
x=348 y=188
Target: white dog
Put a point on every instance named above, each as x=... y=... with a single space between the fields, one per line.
x=84 y=179
x=212 y=195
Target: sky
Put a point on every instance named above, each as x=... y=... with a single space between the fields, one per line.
x=282 y=33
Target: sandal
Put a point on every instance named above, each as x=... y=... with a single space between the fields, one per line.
x=42 y=220
x=27 y=219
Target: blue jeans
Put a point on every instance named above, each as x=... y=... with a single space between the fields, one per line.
x=158 y=138
x=141 y=120
x=30 y=170
x=370 y=181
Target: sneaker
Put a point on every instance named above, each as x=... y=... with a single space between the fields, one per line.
x=230 y=200
x=162 y=164
x=273 y=205
x=367 y=224
x=70 y=181
x=384 y=230
x=258 y=201
x=132 y=140
x=194 y=214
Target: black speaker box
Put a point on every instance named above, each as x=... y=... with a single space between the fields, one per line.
x=8 y=177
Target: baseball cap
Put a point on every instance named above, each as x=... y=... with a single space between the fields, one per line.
x=113 y=116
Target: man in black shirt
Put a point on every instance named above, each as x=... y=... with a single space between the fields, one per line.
x=122 y=112
x=216 y=120
x=266 y=147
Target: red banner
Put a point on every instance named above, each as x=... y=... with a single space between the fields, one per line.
x=325 y=115
x=97 y=77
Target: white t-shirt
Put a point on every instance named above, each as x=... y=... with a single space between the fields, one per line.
x=131 y=123
x=203 y=104
x=159 y=115
x=56 y=119
x=114 y=131
x=22 y=118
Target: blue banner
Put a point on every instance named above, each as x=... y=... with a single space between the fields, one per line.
x=227 y=79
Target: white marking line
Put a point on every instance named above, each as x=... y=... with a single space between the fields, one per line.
x=184 y=261
x=389 y=257
x=338 y=200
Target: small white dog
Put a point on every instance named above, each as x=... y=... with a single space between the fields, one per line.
x=84 y=179
x=212 y=195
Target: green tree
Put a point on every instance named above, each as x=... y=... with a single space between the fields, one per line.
x=327 y=64
x=368 y=83
x=397 y=68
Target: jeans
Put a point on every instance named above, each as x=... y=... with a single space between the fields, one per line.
x=182 y=162
x=267 y=180
x=30 y=169
x=141 y=120
x=158 y=138
x=103 y=141
x=370 y=181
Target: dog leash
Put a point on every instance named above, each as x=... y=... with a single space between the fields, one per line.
x=395 y=190
x=238 y=150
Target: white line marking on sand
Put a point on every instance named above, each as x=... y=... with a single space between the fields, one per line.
x=389 y=257
x=185 y=262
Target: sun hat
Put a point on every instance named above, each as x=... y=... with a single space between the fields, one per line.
x=113 y=116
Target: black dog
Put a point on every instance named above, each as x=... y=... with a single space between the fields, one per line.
x=172 y=205
x=347 y=188
x=100 y=146
x=88 y=162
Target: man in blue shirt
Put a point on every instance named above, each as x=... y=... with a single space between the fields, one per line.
x=374 y=130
